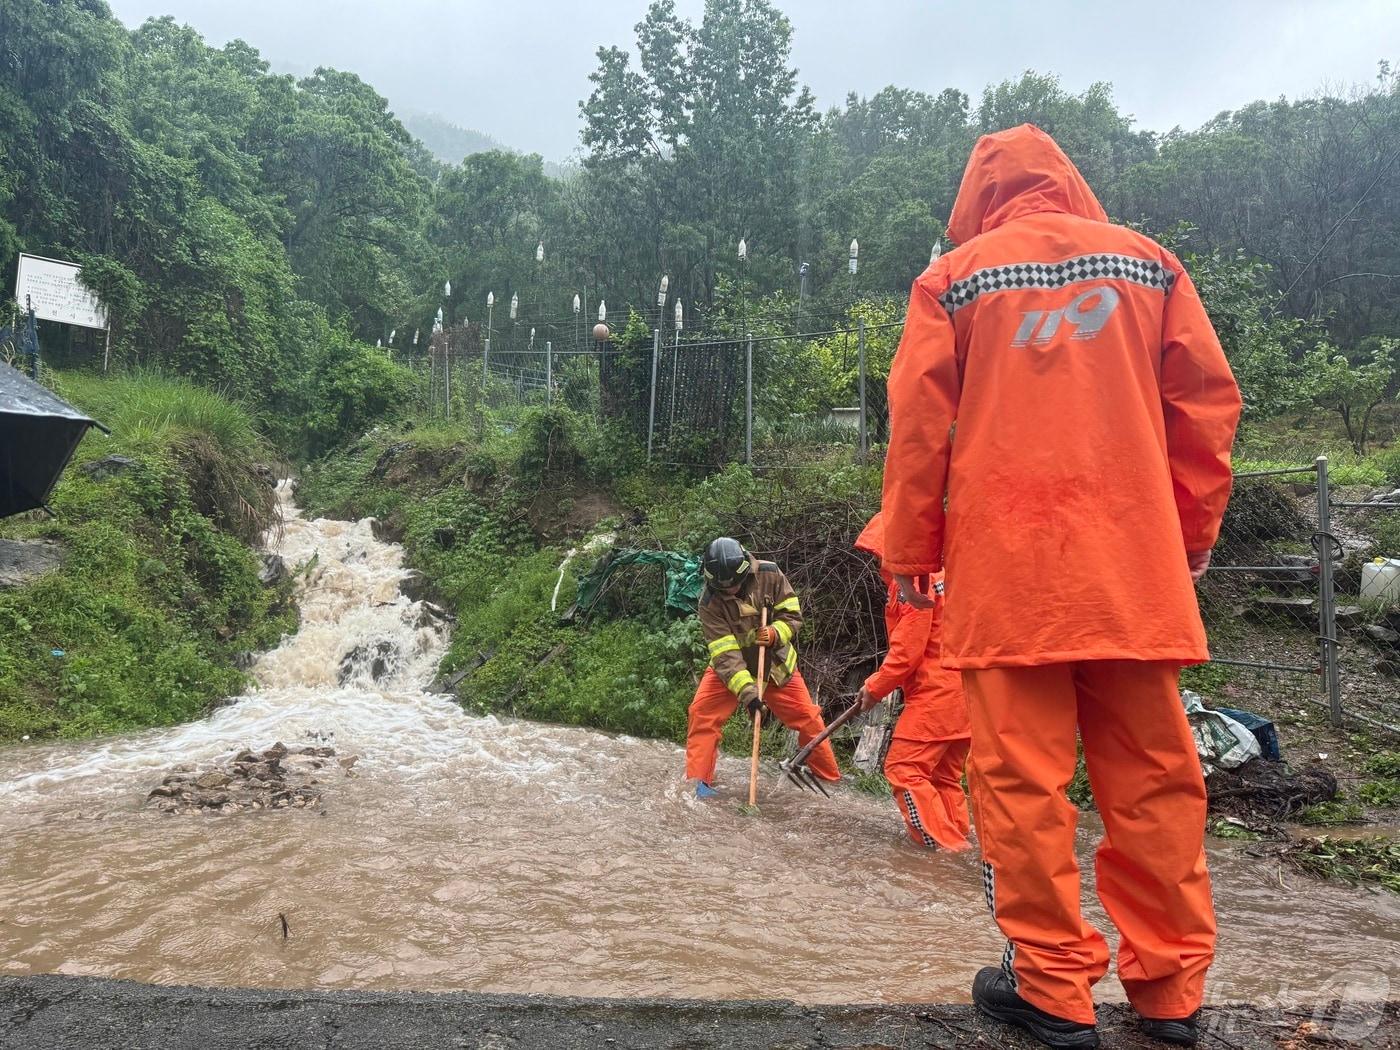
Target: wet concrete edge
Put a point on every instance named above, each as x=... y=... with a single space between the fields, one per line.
x=86 y=1013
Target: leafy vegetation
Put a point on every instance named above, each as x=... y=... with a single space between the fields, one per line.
x=1357 y=860
x=158 y=590
x=260 y=233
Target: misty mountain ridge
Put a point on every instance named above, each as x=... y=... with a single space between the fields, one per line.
x=446 y=141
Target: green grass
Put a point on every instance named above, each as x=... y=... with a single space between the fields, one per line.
x=1384 y=788
x=1349 y=470
x=151 y=410
x=140 y=625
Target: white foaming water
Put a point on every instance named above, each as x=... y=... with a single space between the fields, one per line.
x=318 y=684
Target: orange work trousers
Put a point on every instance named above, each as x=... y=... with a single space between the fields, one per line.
x=1151 y=864
x=713 y=705
x=926 y=779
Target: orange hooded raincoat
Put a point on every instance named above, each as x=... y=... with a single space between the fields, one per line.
x=1094 y=411
x=1094 y=414
x=928 y=751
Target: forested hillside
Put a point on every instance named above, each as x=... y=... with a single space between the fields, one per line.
x=261 y=232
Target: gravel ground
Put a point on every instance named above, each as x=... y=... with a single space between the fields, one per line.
x=80 y=1013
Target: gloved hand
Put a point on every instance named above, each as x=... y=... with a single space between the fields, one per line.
x=766 y=636
x=757 y=709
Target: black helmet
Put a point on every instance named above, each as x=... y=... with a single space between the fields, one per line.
x=725 y=562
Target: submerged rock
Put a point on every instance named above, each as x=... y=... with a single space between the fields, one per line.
x=277 y=777
x=415 y=586
x=273 y=569
x=380 y=659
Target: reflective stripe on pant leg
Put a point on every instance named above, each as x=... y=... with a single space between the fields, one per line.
x=1023 y=757
x=914 y=769
x=794 y=707
x=1151 y=865
x=711 y=708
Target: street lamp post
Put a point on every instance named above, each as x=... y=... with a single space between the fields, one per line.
x=577 y=306
x=802 y=272
x=539 y=273
x=486 y=346
x=853 y=265
x=744 y=280
x=446 y=313
x=676 y=363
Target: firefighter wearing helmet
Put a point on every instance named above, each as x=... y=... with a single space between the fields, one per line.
x=738 y=589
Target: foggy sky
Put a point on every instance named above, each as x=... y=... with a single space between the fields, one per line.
x=517 y=71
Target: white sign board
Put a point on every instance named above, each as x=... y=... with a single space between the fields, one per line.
x=56 y=293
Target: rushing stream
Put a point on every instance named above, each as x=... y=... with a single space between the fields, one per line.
x=489 y=855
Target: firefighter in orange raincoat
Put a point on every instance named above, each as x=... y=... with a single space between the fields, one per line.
x=1085 y=485
x=925 y=762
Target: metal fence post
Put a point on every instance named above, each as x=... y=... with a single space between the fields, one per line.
x=485 y=361
x=864 y=437
x=447 y=373
x=675 y=379
x=651 y=411
x=748 y=402
x=548 y=372
x=1327 y=598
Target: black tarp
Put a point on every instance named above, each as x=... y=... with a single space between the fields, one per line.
x=38 y=433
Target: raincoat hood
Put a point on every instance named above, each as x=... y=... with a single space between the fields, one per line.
x=1018 y=172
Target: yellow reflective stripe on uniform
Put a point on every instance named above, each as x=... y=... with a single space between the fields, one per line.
x=724 y=644
x=740 y=681
x=783 y=630
x=790 y=662
x=788 y=604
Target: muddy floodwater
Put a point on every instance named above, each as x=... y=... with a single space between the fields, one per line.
x=488 y=855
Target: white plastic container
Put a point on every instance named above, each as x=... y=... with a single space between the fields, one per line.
x=1380 y=580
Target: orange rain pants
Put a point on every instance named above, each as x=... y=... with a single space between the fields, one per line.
x=926 y=779
x=714 y=704
x=1151 y=865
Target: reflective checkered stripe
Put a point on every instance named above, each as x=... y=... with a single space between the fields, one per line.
x=1019 y=276
x=1008 y=955
x=915 y=820
x=1008 y=965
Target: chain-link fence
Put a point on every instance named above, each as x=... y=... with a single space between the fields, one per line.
x=1266 y=599
x=1283 y=602
x=693 y=402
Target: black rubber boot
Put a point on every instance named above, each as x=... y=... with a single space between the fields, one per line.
x=1182 y=1032
x=994 y=996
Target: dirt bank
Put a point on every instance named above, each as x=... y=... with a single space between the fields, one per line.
x=74 y=1013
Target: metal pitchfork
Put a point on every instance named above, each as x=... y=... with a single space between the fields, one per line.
x=795 y=768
